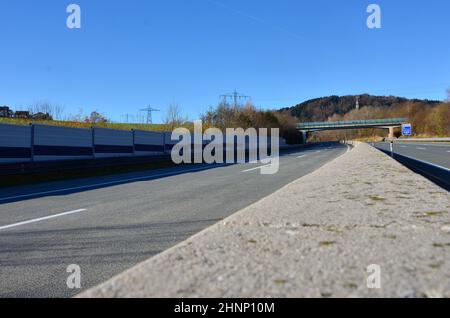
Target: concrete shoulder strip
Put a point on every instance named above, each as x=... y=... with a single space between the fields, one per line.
x=316 y=237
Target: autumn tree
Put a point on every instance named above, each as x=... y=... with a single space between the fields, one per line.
x=96 y=118
x=248 y=116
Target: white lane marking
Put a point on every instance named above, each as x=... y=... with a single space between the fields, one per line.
x=256 y=168
x=318 y=151
x=167 y=174
x=421 y=148
x=448 y=151
x=403 y=147
x=41 y=219
x=301 y=156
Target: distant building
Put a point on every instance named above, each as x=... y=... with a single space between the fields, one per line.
x=5 y=112
x=22 y=114
x=41 y=116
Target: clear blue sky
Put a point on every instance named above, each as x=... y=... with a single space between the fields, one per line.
x=129 y=54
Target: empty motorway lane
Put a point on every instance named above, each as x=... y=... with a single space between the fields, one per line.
x=435 y=153
x=109 y=224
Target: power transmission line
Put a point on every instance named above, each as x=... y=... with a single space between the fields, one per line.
x=149 y=110
x=235 y=96
x=125 y=118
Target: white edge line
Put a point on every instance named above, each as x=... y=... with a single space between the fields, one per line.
x=41 y=219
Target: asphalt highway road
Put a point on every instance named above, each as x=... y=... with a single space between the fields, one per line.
x=109 y=224
x=435 y=153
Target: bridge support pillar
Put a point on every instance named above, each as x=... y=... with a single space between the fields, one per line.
x=304 y=136
x=391 y=133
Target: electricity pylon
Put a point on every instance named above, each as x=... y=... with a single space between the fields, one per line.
x=149 y=110
x=236 y=96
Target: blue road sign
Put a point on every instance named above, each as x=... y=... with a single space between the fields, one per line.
x=407 y=130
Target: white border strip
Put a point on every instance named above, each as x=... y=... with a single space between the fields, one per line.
x=41 y=219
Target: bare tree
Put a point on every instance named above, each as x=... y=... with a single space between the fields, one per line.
x=54 y=110
x=448 y=95
x=174 y=117
x=78 y=117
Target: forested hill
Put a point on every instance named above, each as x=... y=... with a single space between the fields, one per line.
x=321 y=109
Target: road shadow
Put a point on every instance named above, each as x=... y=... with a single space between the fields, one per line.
x=66 y=187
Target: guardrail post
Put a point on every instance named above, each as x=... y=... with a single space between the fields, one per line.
x=133 y=132
x=93 y=141
x=164 y=142
x=32 y=143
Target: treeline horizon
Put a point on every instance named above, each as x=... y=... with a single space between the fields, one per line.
x=429 y=118
x=248 y=116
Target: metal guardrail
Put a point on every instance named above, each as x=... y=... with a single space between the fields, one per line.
x=437 y=174
x=420 y=140
x=390 y=121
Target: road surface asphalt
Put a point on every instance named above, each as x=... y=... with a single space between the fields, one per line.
x=109 y=224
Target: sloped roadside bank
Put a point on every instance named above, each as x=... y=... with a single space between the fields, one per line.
x=314 y=238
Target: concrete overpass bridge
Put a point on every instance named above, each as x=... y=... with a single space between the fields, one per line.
x=389 y=123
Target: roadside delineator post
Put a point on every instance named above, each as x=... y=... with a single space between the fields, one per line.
x=392 y=148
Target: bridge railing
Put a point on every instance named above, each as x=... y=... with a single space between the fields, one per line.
x=389 y=121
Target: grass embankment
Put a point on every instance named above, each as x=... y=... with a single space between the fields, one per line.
x=72 y=124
